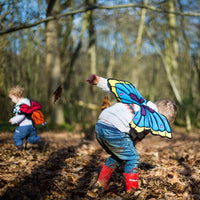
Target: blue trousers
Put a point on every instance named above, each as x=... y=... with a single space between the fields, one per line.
x=119 y=145
x=28 y=132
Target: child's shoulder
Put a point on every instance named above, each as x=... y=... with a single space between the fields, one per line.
x=25 y=101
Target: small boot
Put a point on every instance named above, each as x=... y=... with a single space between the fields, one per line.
x=131 y=181
x=20 y=148
x=42 y=145
x=104 y=177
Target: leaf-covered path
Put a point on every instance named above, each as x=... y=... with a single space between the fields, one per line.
x=169 y=169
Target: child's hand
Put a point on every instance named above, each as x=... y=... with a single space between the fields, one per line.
x=93 y=80
x=10 y=121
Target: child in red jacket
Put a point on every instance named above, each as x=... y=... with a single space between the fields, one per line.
x=25 y=129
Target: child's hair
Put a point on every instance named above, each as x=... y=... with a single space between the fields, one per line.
x=167 y=108
x=17 y=91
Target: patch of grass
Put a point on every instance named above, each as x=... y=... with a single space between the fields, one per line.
x=54 y=127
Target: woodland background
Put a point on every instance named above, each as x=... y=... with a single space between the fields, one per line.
x=153 y=44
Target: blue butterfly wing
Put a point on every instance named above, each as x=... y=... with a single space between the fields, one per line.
x=125 y=92
x=146 y=119
x=151 y=121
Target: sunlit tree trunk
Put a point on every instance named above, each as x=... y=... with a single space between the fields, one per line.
x=172 y=52
x=138 y=42
x=111 y=64
x=92 y=56
x=92 y=39
x=53 y=61
x=168 y=65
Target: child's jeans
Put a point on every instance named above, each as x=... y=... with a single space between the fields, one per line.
x=28 y=132
x=119 y=145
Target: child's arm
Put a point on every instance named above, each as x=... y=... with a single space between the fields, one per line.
x=17 y=119
x=99 y=81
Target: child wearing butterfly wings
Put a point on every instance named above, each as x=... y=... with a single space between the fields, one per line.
x=25 y=129
x=122 y=125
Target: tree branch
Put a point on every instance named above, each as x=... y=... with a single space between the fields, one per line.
x=93 y=7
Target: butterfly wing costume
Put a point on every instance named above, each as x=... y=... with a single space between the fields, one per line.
x=146 y=119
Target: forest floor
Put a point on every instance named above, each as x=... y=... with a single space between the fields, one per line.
x=169 y=169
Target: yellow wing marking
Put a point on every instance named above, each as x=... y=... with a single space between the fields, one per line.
x=113 y=83
x=141 y=129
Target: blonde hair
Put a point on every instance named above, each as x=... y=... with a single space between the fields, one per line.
x=167 y=108
x=17 y=91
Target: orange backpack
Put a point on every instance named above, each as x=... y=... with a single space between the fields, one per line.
x=38 y=117
x=34 y=111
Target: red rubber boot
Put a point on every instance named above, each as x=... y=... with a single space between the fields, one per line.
x=131 y=181
x=104 y=177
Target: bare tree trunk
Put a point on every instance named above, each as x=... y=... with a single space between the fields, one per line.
x=92 y=40
x=139 y=45
x=141 y=30
x=111 y=64
x=172 y=53
x=172 y=49
x=172 y=83
x=92 y=57
x=53 y=61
